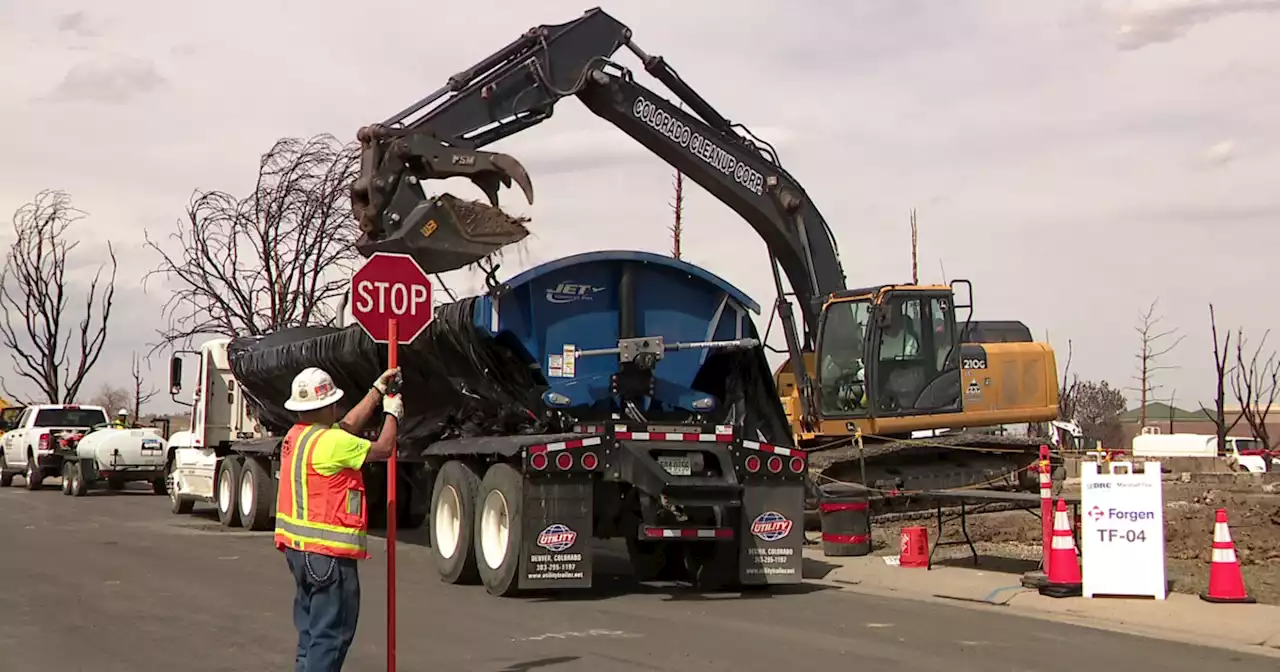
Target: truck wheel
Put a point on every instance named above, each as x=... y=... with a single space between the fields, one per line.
x=33 y=476
x=66 y=478
x=6 y=478
x=453 y=501
x=79 y=486
x=257 y=496
x=499 y=529
x=178 y=504
x=160 y=486
x=228 y=480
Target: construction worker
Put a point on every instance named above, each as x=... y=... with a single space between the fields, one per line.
x=122 y=419
x=321 y=516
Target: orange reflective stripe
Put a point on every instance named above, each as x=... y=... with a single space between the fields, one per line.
x=298 y=470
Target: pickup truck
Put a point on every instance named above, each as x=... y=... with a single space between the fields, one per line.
x=34 y=446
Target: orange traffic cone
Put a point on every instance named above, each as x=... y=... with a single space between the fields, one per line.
x=1226 y=583
x=1064 y=565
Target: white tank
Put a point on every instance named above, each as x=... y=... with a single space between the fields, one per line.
x=123 y=447
x=1175 y=445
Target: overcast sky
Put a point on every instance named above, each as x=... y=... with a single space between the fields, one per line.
x=1075 y=159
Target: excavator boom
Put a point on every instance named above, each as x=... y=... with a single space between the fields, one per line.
x=518 y=87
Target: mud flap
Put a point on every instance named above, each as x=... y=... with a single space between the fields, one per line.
x=772 y=534
x=557 y=528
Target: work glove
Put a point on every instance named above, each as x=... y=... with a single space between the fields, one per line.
x=386 y=379
x=393 y=405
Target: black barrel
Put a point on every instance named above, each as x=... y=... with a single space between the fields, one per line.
x=846 y=521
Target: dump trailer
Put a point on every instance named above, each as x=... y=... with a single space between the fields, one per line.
x=603 y=395
x=867 y=366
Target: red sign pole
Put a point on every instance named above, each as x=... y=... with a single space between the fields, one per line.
x=393 y=345
x=1046 y=507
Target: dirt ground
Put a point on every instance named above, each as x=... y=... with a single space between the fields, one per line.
x=1010 y=540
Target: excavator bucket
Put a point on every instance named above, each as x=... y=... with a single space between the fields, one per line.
x=445 y=233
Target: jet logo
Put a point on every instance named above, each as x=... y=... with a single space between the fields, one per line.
x=568 y=292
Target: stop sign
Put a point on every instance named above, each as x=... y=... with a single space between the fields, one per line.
x=391 y=286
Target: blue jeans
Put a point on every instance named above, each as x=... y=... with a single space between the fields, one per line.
x=325 y=609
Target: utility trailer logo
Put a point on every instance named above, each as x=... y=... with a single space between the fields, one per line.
x=568 y=292
x=771 y=526
x=557 y=538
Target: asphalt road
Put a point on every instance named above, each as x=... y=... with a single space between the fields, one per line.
x=114 y=582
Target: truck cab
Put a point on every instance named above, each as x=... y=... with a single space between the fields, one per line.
x=219 y=419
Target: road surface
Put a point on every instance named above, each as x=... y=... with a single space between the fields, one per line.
x=114 y=582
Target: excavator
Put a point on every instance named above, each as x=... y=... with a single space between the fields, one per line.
x=868 y=369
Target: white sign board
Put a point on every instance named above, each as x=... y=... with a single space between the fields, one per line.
x=1122 y=540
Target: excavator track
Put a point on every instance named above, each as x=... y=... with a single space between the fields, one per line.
x=895 y=469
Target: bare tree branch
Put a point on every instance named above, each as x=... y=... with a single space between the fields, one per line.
x=1255 y=382
x=1221 y=359
x=277 y=258
x=140 y=397
x=1153 y=348
x=35 y=328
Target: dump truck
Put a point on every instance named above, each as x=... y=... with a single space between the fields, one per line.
x=603 y=395
x=867 y=367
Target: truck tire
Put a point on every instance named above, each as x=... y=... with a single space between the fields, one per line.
x=453 y=502
x=226 y=491
x=499 y=528
x=79 y=486
x=6 y=478
x=178 y=504
x=159 y=486
x=32 y=476
x=66 y=478
x=257 y=496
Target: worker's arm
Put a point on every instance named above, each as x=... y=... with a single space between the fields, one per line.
x=356 y=419
x=339 y=449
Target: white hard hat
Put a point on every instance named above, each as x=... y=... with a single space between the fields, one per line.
x=122 y=412
x=312 y=389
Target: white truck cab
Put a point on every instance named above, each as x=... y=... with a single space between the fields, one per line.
x=202 y=465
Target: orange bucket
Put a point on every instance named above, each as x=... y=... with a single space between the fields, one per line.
x=915 y=547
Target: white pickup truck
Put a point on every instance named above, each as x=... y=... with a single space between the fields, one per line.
x=77 y=443
x=31 y=447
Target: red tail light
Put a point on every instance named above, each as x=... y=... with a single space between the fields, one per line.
x=775 y=464
x=44 y=442
x=752 y=464
x=797 y=464
x=538 y=461
x=564 y=460
x=590 y=461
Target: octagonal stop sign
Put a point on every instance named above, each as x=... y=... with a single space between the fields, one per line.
x=391 y=286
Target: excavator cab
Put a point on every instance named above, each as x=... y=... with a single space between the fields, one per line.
x=889 y=351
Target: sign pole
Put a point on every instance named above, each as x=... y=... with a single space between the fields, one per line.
x=393 y=343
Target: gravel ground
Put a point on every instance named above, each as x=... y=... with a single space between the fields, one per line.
x=1010 y=540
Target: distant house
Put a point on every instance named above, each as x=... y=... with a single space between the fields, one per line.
x=1174 y=420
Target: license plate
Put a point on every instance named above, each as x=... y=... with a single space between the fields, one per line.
x=676 y=466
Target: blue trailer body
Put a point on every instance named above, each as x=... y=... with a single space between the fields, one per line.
x=573 y=304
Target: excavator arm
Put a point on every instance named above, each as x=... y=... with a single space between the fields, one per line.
x=518 y=87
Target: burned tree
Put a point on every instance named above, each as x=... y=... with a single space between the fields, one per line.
x=1154 y=346
x=1255 y=382
x=279 y=257
x=141 y=393
x=47 y=347
x=1067 y=390
x=1221 y=359
x=111 y=397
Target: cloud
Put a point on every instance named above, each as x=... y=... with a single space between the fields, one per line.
x=1221 y=153
x=77 y=24
x=1170 y=20
x=113 y=80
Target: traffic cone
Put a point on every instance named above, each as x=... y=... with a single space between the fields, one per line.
x=1226 y=582
x=1064 y=565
